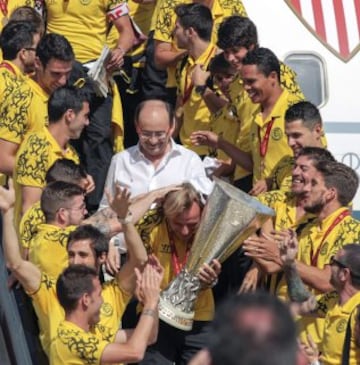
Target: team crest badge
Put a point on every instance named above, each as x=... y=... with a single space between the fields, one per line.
x=336 y=24
x=276 y=134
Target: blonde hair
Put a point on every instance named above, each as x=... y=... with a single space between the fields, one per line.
x=176 y=202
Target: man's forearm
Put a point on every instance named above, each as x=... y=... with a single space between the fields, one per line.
x=240 y=157
x=296 y=288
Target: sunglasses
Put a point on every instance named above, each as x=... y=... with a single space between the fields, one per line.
x=334 y=261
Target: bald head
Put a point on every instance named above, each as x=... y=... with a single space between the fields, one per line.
x=154 y=124
x=154 y=109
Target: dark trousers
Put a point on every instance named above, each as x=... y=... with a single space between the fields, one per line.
x=153 y=79
x=177 y=346
x=95 y=147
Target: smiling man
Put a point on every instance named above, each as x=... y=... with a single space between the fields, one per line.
x=303 y=128
x=267 y=145
x=156 y=161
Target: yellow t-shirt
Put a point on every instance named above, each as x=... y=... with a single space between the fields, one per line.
x=310 y=242
x=156 y=241
x=38 y=111
x=75 y=346
x=277 y=146
x=50 y=313
x=336 y=320
x=35 y=156
x=246 y=109
x=166 y=18
x=16 y=99
x=48 y=249
x=29 y=223
x=196 y=115
x=83 y=23
x=225 y=124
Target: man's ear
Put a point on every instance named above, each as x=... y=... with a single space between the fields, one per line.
x=69 y=115
x=85 y=300
x=102 y=258
x=37 y=63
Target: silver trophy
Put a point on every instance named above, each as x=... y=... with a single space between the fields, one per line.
x=229 y=217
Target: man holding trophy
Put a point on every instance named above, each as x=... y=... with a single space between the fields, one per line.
x=190 y=240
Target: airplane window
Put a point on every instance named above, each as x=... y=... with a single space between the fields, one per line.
x=311 y=75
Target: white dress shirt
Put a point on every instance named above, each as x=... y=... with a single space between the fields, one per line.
x=131 y=169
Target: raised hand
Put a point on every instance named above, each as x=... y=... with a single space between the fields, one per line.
x=205 y=138
x=288 y=245
x=120 y=202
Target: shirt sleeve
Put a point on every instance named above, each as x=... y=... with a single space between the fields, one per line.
x=32 y=162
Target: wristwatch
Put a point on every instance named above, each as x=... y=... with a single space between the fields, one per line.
x=200 y=89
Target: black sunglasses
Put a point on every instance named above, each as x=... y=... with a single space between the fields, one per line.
x=334 y=261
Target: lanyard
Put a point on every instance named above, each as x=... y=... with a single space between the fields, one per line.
x=188 y=88
x=336 y=221
x=176 y=264
x=265 y=141
x=8 y=67
x=3 y=7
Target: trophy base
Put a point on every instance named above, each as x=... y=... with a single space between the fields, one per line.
x=174 y=317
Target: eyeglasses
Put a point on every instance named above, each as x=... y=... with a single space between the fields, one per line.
x=145 y=135
x=30 y=49
x=334 y=261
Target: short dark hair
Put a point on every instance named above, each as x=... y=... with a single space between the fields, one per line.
x=54 y=46
x=237 y=31
x=63 y=99
x=219 y=64
x=305 y=111
x=73 y=283
x=351 y=259
x=65 y=170
x=196 y=16
x=236 y=342
x=341 y=177
x=316 y=154
x=169 y=109
x=16 y=36
x=56 y=195
x=265 y=60
x=98 y=241
x=29 y=15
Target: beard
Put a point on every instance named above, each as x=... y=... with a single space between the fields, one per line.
x=315 y=208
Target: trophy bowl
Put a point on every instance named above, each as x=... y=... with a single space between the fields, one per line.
x=229 y=217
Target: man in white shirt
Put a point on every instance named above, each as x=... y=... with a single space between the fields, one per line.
x=156 y=161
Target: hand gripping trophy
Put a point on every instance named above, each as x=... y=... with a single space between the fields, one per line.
x=229 y=217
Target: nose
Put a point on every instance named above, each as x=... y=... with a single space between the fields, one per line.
x=76 y=260
x=291 y=141
x=296 y=170
x=229 y=56
x=62 y=80
x=185 y=230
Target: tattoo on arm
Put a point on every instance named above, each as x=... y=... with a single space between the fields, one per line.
x=296 y=288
